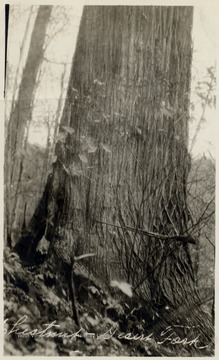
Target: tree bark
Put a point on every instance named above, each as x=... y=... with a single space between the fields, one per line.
x=123 y=155
x=129 y=98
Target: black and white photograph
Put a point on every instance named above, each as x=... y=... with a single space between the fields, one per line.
x=109 y=178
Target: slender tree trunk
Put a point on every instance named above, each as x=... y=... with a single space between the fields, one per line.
x=22 y=48
x=123 y=157
x=20 y=117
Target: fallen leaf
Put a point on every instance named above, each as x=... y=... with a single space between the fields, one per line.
x=123 y=286
x=92 y=321
x=94 y=290
x=106 y=148
x=62 y=137
x=92 y=148
x=83 y=158
x=66 y=169
x=96 y=81
x=69 y=129
x=53 y=159
x=75 y=170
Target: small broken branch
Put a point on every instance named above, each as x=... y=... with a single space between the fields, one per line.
x=78 y=258
x=187 y=239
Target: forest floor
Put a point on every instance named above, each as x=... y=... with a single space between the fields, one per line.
x=38 y=319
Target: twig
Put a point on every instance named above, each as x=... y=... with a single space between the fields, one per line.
x=183 y=238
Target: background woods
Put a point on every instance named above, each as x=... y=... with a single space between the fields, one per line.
x=20 y=117
x=116 y=163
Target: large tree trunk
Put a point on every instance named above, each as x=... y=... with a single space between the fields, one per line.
x=131 y=65
x=123 y=155
x=18 y=123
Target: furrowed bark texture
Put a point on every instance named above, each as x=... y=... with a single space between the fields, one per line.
x=123 y=156
x=127 y=159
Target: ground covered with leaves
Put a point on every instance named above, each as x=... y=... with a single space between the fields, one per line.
x=38 y=318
